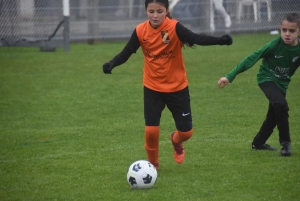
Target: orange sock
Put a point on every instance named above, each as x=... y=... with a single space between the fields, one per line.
x=152 y=143
x=180 y=137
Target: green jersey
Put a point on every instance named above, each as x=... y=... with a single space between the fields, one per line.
x=279 y=63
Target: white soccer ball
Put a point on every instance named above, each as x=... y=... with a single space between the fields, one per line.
x=141 y=174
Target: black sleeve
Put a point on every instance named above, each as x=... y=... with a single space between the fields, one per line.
x=188 y=37
x=131 y=47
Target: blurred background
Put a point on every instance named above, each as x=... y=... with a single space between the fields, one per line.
x=104 y=20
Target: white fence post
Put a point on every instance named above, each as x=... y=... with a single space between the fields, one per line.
x=66 y=13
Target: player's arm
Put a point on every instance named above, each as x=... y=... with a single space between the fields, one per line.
x=223 y=81
x=248 y=62
x=188 y=37
x=131 y=47
x=295 y=66
x=245 y=64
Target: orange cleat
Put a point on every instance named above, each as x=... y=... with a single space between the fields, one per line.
x=178 y=150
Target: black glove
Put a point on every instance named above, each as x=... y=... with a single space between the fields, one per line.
x=107 y=67
x=225 y=40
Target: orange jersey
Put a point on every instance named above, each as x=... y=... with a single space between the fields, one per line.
x=164 y=68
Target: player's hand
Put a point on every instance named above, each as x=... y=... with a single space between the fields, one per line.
x=223 y=81
x=225 y=40
x=107 y=67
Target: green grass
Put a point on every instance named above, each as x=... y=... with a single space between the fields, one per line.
x=70 y=132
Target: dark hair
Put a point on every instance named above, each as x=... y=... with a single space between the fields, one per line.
x=165 y=3
x=293 y=18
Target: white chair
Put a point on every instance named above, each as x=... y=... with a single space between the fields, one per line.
x=172 y=4
x=256 y=8
x=243 y=3
x=269 y=8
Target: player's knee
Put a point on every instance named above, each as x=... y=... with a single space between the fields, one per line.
x=152 y=121
x=184 y=126
x=282 y=107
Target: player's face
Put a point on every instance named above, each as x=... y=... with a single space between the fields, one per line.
x=289 y=32
x=156 y=14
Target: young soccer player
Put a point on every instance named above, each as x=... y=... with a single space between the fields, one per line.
x=165 y=81
x=281 y=58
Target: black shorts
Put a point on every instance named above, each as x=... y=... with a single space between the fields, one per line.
x=177 y=102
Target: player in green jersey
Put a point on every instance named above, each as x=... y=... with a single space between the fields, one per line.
x=280 y=59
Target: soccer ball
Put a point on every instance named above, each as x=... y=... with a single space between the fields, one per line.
x=141 y=174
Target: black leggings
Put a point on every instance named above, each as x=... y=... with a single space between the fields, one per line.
x=277 y=115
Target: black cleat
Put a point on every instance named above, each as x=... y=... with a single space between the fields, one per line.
x=286 y=149
x=263 y=147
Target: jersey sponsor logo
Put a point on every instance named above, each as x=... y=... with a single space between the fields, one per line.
x=165 y=37
x=185 y=114
x=295 y=59
x=166 y=54
x=277 y=57
x=281 y=70
x=281 y=73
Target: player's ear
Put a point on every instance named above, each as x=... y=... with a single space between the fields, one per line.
x=168 y=12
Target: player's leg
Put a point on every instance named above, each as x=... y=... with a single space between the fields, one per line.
x=153 y=107
x=152 y=144
x=259 y=141
x=278 y=100
x=177 y=139
x=220 y=8
x=179 y=104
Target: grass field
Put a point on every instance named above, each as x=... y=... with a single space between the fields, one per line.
x=70 y=132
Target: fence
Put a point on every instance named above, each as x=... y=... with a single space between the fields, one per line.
x=39 y=20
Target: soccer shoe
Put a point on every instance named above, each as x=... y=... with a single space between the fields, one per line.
x=285 y=149
x=263 y=147
x=178 y=150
